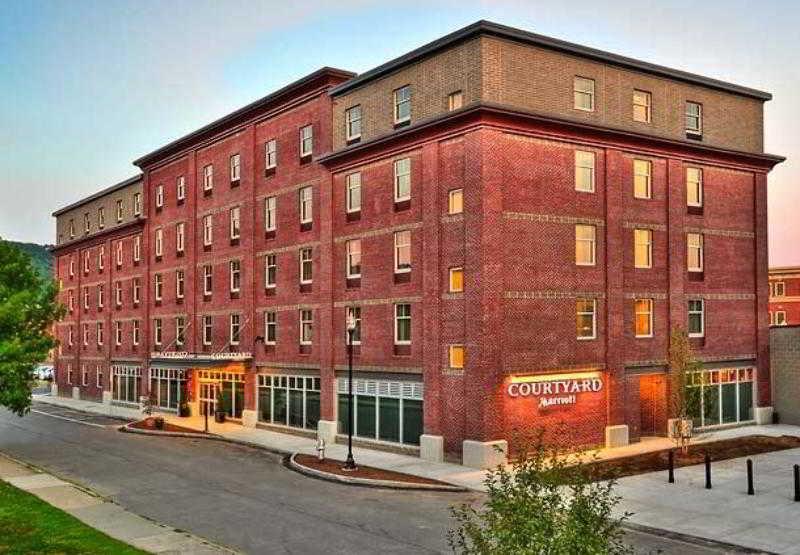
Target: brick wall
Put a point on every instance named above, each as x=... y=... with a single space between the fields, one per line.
x=785 y=364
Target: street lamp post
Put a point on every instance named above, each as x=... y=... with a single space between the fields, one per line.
x=350 y=464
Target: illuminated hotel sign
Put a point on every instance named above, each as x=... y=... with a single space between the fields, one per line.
x=555 y=389
x=183 y=355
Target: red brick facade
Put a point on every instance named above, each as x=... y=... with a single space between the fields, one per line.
x=784 y=296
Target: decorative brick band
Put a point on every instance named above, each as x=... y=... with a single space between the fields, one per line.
x=381 y=369
x=452 y=296
x=102 y=320
x=167 y=270
x=170 y=315
x=96 y=358
x=721 y=232
x=451 y=219
x=312 y=244
x=373 y=302
x=218 y=313
x=291 y=365
x=284 y=308
x=665 y=362
x=552 y=218
x=582 y=367
x=645 y=295
x=723 y=296
x=131 y=319
x=643 y=225
x=289 y=189
x=219 y=209
x=378 y=232
x=553 y=295
x=217 y=261
x=452 y=371
x=94 y=283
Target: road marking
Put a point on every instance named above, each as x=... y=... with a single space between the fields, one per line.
x=70 y=419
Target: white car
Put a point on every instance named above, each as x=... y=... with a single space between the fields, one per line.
x=43 y=372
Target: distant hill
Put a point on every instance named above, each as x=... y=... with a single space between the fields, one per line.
x=42 y=257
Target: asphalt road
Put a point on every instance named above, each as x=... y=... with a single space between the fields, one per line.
x=242 y=497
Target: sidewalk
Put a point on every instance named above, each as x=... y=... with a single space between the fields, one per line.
x=102 y=515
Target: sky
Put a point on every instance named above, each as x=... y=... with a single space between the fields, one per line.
x=87 y=86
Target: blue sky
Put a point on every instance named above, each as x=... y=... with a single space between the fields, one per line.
x=87 y=86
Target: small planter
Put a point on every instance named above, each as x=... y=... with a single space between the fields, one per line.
x=158 y=423
x=219 y=417
x=184 y=411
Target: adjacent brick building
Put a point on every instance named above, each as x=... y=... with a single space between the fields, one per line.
x=513 y=222
x=784 y=296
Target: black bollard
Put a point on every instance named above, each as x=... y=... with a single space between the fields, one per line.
x=750 y=490
x=708 y=471
x=797 y=482
x=671 y=474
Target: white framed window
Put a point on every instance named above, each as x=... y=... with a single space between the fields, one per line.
x=159 y=195
x=136 y=291
x=306 y=326
x=208 y=230
x=87 y=223
x=456 y=355
x=402 y=251
x=137 y=204
x=583 y=94
x=180 y=330
x=353 y=123
x=137 y=329
x=456 y=281
x=306 y=141
x=71 y=302
x=236 y=275
x=270 y=271
x=100 y=296
x=101 y=257
x=306 y=265
x=180 y=284
x=584 y=171
x=271 y=154
x=119 y=254
x=235 y=164
x=694 y=252
x=353 y=312
x=402 y=179
x=70 y=336
x=119 y=210
x=586 y=318
x=694 y=118
x=84 y=376
x=353 y=194
x=694 y=187
x=235 y=328
x=69 y=374
x=85 y=335
x=455 y=100
x=353 y=254
x=100 y=333
x=642 y=179
x=137 y=248
x=270 y=213
x=780 y=318
x=455 y=201
x=208 y=277
x=72 y=229
x=642 y=248
x=780 y=289
x=306 y=196
x=585 y=244
x=180 y=237
x=208 y=177
x=117 y=333
x=86 y=298
x=71 y=267
x=402 y=104
x=159 y=242
x=158 y=332
x=402 y=324
x=697 y=318
x=270 y=327
x=86 y=257
x=158 y=286
x=643 y=317
x=98 y=380
x=180 y=187
x=642 y=106
x=208 y=329
x=235 y=215
x=101 y=218
x=118 y=293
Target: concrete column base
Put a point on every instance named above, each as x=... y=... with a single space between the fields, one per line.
x=484 y=454
x=76 y=393
x=763 y=415
x=106 y=397
x=54 y=389
x=249 y=418
x=431 y=448
x=617 y=436
x=326 y=431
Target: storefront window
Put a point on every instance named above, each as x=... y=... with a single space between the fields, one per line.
x=125 y=383
x=289 y=400
x=722 y=396
x=167 y=386
x=231 y=384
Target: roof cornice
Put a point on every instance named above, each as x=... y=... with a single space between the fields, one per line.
x=97 y=195
x=92 y=239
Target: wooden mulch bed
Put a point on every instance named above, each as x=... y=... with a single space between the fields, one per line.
x=333 y=466
x=150 y=424
x=718 y=451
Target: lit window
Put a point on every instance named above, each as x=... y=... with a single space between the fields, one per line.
x=694 y=252
x=208 y=328
x=402 y=179
x=235 y=168
x=583 y=91
x=180 y=239
x=271 y=154
x=696 y=318
x=642 y=106
x=208 y=177
x=642 y=179
x=158 y=284
x=306 y=205
x=235 y=328
x=208 y=229
x=643 y=312
x=270 y=271
x=306 y=266
x=643 y=248
x=180 y=187
x=353 y=199
x=455 y=100
x=694 y=186
x=306 y=141
x=456 y=356
x=585 y=318
x=694 y=118
x=270 y=213
x=402 y=104
x=236 y=276
x=455 y=201
x=306 y=326
x=159 y=196
x=159 y=242
x=402 y=324
x=208 y=277
x=180 y=330
x=456 y=280
x=585 y=245
x=354 y=313
x=584 y=171
x=402 y=251
x=270 y=328
x=353 y=248
x=180 y=284
x=353 y=123
x=235 y=219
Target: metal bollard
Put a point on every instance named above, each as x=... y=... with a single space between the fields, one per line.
x=750 y=490
x=671 y=475
x=708 y=471
x=797 y=482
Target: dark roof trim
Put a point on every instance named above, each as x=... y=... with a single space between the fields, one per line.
x=91 y=239
x=484 y=27
x=227 y=119
x=97 y=195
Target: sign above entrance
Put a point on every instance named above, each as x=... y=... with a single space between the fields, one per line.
x=555 y=389
x=183 y=355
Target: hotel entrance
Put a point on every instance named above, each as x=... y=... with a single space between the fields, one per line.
x=224 y=387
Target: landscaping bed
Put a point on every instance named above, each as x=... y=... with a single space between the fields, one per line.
x=718 y=451
x=150 y=424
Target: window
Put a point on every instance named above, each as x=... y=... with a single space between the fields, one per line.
x=585 y=245
x=353 y=312
x=306 y=141
x=455 y=100
x=780 y=289
x=85 y=335
x=125 y=383
x=71 y=301
x=86 y=298
x=270 y=271
x=136 y=290
x=159 y=242
x=119 y=210
x=306 y=266
x=641 y=106
x=180 y=330
x=271 y=154
x=270 y=213
x=402 y=104
x=180 y=239
x=694 y=187
x=353 y=248
x=84 y=376
x=136 y=332
x=694 y=252
x=208 y=229
x=584 y=171
x=270 y=328
x=69 y=374
x=101 y=257
x=99 y=333
x=583 y=93
x=236 y=275
x=87 y=224
x=456 y=280
x=180 y=284
x=353 y=199
x=585 y=316
x=208 y=328
x=402 y=179
x=159 y=195
x=455 y=201
x=137 y=248
x=137 y=204
x=353 y=123
x=694 y=118
x=235 y=219
x=402 y=251
x=70 y=336
x=100 y=296
x=157 y=331
x=72 y=229
x=235 y=168
x=456 y=356
x=118 y=293
x=306 y=326
x=180 y=188
x=99 y=376
x=236 y=328
x=208 y=274
x=780 y=318
x=289 y=400
x=643 y=317
x=306 y=205
x=642 y=179
x=643 y=248
x=208 y=177
x=696 y=318
x=402 y=324
x=71 y=267
x=119 y=254
x=158 y=286
x=117 y=333
x=101 y=217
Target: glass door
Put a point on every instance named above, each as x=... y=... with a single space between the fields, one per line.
x=208 y=397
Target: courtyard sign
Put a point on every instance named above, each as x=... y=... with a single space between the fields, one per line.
x=561 y=389
x=183 y=355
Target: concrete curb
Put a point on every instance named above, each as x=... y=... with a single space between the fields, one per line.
x=694 y=540
x=292 y=464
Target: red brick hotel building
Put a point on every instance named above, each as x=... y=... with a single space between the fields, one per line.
x=514 y=221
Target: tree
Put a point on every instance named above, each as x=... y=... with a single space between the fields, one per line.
x=546 y=503
x=682 y=365
x=28 y=309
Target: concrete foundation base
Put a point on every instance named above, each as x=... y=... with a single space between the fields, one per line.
x=106 y=397
x=326 y=430
x=249 y=418
x=484 y=454
x=617 y=436
x=431 y=448
x=763 y=415
x=76 y=393
x=54 y=389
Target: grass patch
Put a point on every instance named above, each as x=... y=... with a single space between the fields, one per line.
x=28 y=525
